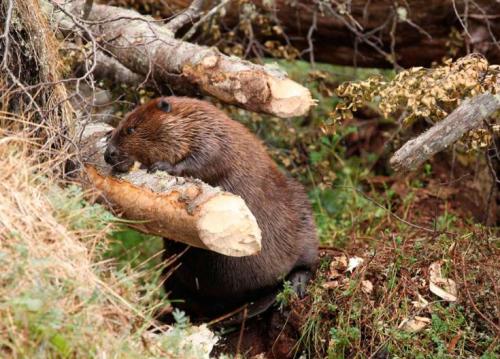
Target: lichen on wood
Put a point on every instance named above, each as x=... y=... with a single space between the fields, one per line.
x=468 y=116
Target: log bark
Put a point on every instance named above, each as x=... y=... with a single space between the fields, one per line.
x=419 y=31
x=469 y=115
x=151 y=50
x=111 y=69
x=181 y=209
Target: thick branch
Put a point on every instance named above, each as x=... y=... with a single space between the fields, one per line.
x=87 y=8
x=469 y=115
x=364 y=33
x=148 y=49
x=109 y=68
x=185 y=210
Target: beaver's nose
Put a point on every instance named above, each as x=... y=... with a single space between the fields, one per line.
x=111 y=154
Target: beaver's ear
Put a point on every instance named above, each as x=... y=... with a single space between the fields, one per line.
x=164 y=105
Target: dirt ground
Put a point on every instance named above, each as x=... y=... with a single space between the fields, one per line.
x=415 y=242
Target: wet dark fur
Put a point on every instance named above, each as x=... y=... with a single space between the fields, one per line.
x=200 y=141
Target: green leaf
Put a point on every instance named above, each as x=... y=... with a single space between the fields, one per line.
x=315 y=157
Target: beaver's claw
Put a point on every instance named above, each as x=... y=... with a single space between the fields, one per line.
x=162 y=166
x=299 y=280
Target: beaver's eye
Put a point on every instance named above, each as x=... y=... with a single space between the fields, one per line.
x=130 y=130
x=164 y=106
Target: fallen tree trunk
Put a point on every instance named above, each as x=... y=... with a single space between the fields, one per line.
x=185 y=210
x=468 y=116
x=151 y=50
x=369 y=33
x=111 y=69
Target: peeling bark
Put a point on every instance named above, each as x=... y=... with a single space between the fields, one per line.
x=468 y=116
x=181 y=209
x=148 y=49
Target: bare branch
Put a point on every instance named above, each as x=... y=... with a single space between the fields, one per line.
x=8 y=18
x=149 y=49
x=6 y=32
x=188 y=15
x=310 y=38
x=359 y=31
x=469 y=115
x=205 y=17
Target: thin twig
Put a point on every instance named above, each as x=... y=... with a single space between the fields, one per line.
x=227 y=315
x=357 y=29
x=464 y=26
x=310 y=39
x=495 y=327
x=242 y=331
x=392 y=214
x=204 y=18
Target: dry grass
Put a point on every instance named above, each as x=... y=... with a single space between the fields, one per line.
x=49 y=270
x=58 y=297
x=344 y=320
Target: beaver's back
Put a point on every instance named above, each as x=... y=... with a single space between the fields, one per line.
x=279 y=204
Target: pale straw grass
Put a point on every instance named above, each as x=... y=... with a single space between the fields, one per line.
x=58 y=296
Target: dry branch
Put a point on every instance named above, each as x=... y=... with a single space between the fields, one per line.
x=185 y=210
x=109 y=68
x=149 y=49
x=469 y=115
x=192 y=12
x=365 y=33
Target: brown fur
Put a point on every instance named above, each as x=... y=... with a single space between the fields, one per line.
x=200 y=141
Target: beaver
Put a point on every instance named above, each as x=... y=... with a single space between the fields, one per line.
x=192 y=138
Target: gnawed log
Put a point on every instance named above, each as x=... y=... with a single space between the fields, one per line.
x=149 y=49
x=182 y=209
x=468 y=116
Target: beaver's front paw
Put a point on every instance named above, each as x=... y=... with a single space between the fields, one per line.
x=299 y=280
x=161 y=166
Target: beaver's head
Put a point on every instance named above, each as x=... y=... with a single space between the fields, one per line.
x=160 y=130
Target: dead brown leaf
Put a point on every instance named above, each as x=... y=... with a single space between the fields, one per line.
x=444 y=288
x=415 y=325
